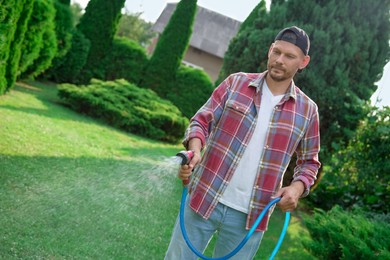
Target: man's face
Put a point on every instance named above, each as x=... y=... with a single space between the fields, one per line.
x=284 y=60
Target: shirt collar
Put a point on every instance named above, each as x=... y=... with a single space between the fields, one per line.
x=258 y=84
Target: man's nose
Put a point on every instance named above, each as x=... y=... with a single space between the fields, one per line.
x=280 y=59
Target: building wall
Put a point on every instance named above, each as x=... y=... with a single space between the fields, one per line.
x=209 y=63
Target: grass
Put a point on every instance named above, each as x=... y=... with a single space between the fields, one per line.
x=74 y=188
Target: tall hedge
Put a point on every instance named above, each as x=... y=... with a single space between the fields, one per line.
x=10 y=12
x=63 y=29
x=98 y=25
x=73 y=62
x=170 y=49
x=39 y=39
x=190 y=90
x=16 y=46
x=125 y=61
x=46 y=55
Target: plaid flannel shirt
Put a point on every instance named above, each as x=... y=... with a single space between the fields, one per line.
x=225 y=124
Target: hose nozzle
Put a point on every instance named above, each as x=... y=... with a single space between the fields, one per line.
x=186 y=157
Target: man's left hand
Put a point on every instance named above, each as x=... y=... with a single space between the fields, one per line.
x=290 y=196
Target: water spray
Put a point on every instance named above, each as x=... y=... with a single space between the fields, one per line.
x=184 y=157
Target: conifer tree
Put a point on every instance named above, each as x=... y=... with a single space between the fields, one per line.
x=170 y=49
x=64 y=29
x=347 y=52
x=16 y=46
x=36 y=40
x=98 y=25
x=242 y=44
x=10 y=13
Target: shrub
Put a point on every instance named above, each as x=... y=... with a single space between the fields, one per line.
x=340 y=234
x=359 y=175
x=73 y=61
x=64 y=29
x=126 y=60
x=125 y=106
x=98 y=24
x=190 y=90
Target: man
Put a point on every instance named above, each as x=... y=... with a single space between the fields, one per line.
x=248 y=131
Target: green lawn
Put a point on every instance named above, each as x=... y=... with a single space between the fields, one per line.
x=73 y=188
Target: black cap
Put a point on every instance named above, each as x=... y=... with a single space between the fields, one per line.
x=296 y=36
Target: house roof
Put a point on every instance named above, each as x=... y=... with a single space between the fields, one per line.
x=211 y=31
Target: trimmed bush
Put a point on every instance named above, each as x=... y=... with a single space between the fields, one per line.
x=73 y=61
x=339 y=234
x=39 y=38
x=126 y=60
x=190 y=90
x=64 y=29
x=125 y=106
x=98 y=24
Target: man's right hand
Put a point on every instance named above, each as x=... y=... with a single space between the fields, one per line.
x=185 y=171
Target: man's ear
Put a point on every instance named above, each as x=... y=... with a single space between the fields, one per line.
x=305 y=62
x=270 y=49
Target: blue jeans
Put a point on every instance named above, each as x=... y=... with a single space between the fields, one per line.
x=228 y=223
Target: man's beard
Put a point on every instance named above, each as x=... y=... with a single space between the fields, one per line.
x=285 y=75
x=277 y=77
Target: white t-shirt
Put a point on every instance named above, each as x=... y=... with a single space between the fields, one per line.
x=238 y=192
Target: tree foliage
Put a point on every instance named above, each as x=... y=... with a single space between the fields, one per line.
x=359 y=175
x=125 y=61
x=72 y=63
x=170 y=49
x=133 y=27
x=340 y=234
x=190 y=84
x=99 y=24
x=77 y=13
x=347 y=56
x=39 y=45
x=64 y=28
x=11 y=34
x=15 y=50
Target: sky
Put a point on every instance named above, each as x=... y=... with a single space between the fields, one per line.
x=239 y=10
x=151 y=9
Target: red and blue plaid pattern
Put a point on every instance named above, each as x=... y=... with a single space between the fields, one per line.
x=225 y=124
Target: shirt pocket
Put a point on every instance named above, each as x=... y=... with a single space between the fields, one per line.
x=233 y=117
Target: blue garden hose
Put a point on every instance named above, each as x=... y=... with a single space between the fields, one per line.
x=246 y=238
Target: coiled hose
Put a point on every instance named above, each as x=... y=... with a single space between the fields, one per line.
x=246 y=238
